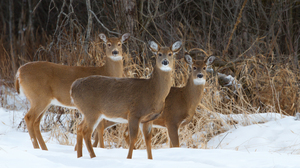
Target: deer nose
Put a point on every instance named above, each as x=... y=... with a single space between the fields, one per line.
x=115 y=52
x=200 y=75
x=165 y=62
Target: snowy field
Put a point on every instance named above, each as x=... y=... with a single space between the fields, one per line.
x=272 y=144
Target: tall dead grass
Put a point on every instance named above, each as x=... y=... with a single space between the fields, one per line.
x=266 y=86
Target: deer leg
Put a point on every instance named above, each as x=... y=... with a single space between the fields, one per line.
x=126 y=136
x=173 y=135
x=133 y=124
x=171 y=145
x=87 y=133
x=78 y=145
x=37 y=130
x=147 y=131
x=33 y=113
x=96 y=137
x=100 y=132
x=75 y=148
x=100 y=136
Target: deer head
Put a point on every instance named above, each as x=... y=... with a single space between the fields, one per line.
x=114 y=46
x=198 y=68
x=164 y=55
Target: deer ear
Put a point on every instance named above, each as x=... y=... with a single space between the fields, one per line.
x=125 y=37
x=103 y=37
x=176 y=47
x=210 y=60
x=188 y=59
x=153 y=47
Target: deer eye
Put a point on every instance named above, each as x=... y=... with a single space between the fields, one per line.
x=119 y=44
x=109 y=44
x=194 y=68
x=170 y=54
x=159 y=54
x=204 y=68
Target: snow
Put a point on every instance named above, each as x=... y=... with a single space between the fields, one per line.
x=277 y=136
x=11 y=99
x=260 y=141
x=231 y=79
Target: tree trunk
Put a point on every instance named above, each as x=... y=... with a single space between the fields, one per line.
x=89 y=27
x=22 y=29
x=11 y=29
x=129 y=11
x=31 y=27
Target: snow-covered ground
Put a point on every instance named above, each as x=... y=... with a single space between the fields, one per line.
x=275 y=143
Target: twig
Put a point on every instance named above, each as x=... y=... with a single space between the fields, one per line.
x=36 y=7
x=222 y=140
x=199 y=49
x=154 y=24
x=235 y=26
x=112 y=32
x=212 y=11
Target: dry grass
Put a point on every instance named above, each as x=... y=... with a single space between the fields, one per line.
x=269 y=81
x=265 y=85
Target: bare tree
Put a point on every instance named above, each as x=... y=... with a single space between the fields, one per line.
x=129 y=7
x=89 y=26
x=11 y=37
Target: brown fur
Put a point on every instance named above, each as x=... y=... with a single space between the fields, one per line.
x=42 y=82
x=127 y=98
x=180 y=106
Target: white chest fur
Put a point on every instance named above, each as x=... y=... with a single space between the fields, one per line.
x=116 y=58
x=199 y=81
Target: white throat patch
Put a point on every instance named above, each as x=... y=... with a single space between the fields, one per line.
x=116 y=58
x=165 y=68
x=199 y=81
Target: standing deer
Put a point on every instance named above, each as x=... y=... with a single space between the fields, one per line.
x=180 y=105
x=124 y=100
x=45 y=83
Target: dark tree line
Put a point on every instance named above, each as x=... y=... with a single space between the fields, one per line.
x=228 y=29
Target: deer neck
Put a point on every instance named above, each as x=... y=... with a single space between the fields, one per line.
x=113 y=68
x=161 y=82
x=193 y=93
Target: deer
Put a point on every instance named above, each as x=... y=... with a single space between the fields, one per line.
x=124 y=100
x=180 y=104
x=45 y=83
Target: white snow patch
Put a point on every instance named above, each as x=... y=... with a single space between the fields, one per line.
x=281 y=135
x=266 y=140
x=13 y=100
x=297 y=116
